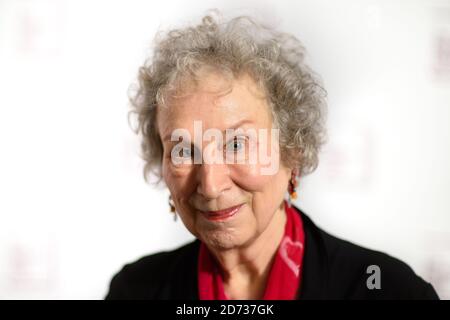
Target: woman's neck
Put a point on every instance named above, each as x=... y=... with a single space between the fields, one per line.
x=246 y=269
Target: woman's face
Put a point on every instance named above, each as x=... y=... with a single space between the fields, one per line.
x=203 y=191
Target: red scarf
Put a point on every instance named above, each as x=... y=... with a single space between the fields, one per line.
x=284 y=277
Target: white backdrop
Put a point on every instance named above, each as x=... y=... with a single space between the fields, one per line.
x=73 y=204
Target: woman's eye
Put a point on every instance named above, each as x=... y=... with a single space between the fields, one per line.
x=185 y=152
x=236 y=144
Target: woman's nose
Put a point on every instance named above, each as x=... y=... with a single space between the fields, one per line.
x=213 y=179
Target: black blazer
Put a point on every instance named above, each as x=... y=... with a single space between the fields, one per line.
x=332 y=269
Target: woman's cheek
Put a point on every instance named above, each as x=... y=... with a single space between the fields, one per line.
x=175 y=171
x=175 y=178
x=249 y=177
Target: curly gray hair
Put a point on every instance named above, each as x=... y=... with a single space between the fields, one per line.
x=275 y=60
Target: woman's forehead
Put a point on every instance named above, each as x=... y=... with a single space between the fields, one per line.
x=222 y=110
x=242 y=96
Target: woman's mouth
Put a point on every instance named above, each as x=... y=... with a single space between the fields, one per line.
x=221 y=214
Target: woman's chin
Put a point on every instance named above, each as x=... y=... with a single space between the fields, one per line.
x=224 y=234
x=222 y=240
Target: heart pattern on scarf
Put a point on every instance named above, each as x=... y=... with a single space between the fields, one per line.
x=290 y=252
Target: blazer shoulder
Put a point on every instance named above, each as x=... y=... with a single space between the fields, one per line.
x=367 y=273
x=143 y=278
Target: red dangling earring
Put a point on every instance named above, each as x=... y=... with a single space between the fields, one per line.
x=293 y=183
x=172 y=208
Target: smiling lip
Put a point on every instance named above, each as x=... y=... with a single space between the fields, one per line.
x=221 y=214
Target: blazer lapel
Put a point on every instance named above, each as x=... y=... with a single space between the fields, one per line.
x=315 y=263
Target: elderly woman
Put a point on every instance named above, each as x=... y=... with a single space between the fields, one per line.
x=230 y=117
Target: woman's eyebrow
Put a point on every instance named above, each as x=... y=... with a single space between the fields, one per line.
x=176 y=141
x=240 y=123
x=168 y=138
